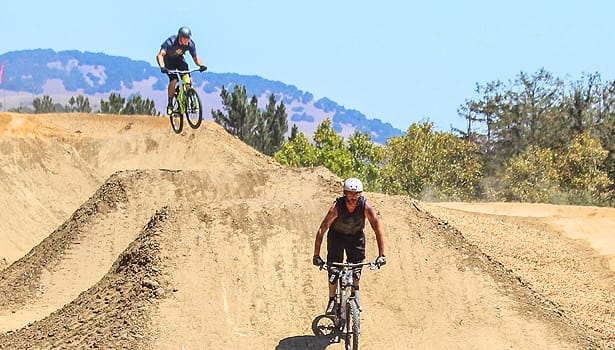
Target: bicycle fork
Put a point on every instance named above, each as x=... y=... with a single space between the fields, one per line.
x=345 y=298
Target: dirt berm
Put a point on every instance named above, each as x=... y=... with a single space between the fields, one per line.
x=116 y=233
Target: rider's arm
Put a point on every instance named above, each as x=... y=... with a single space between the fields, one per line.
x=160 y=57
x=197 y=60
x=324 y=226
x=370 y=214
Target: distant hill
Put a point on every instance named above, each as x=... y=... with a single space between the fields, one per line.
x=63 y=74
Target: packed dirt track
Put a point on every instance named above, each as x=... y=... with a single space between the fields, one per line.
x=116 y=233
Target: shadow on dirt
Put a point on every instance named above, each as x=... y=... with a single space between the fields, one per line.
x=303 y=342
x=322 y=326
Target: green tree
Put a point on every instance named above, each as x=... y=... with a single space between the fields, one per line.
x=271 y=125
x=80 y=104
x=580 y=170
x=430 y=164
x=487 y=110
x=582 y=104
x=531 y=176
x=331 y=150
x=115 y=105
x=606 y=129
x=294 y=131
x=366 y=158
x=540 y=99
x=240 y=117
x=22 y=109
x=43 y=105
x=524 y=113
x=277 y=125
x=360 y=158
x=263 y=130
x=297 y=152
x=137 y=105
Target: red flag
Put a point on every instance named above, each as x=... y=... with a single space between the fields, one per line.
x=2 y=71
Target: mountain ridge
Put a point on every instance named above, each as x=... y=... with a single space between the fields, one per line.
x=64 y=74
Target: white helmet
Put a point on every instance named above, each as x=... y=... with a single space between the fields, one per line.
x=353 y=184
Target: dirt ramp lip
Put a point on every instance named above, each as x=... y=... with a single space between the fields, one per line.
x=22 y=279
x=113 y=311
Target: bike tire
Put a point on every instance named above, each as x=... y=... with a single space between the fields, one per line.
x=324 y=326
x=177 y=122
x=194 y=108
x=346 y=332
x=355 y=319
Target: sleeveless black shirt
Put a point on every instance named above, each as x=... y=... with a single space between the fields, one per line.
x=349 y=223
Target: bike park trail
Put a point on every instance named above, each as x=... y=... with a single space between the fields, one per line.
x=117 y=233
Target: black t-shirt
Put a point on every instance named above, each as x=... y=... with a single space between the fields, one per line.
x=349 y=223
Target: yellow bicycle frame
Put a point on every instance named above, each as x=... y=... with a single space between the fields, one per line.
x=181 y=94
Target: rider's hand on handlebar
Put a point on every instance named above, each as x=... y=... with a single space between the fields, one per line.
x=317 y=260
x=164 y=70
x=202 y=68
x=381 y=260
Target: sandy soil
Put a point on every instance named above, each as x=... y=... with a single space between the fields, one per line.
x=117 y=233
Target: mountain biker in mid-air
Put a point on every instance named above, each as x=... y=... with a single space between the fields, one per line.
x=171 y=56
x=345 y=222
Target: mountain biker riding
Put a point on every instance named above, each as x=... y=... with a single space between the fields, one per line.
x=171 y=56
x=345 y=222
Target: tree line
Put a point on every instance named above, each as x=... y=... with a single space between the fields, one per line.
x=541 y=138
x=534 y=139
x=264 y=130
x=80 y=104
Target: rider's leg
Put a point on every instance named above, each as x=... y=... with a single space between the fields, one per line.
x=171 y=89
x=335 y=253
x=356 y=254
x=175 y=62
x=332 y=287
x=170 y=94
x=330 y=310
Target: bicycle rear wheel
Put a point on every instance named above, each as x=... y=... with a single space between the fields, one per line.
x=194 y=112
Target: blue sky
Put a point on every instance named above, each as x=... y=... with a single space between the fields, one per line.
x=398 y=61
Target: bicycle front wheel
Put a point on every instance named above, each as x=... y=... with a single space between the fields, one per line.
x=355 y=320
x=324 y=326
x=194 y=111
x=177 y=120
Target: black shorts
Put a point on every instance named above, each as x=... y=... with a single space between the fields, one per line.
x=353 y=245
x=175 y=62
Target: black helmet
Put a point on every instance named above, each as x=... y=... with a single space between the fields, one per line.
x=184 y=32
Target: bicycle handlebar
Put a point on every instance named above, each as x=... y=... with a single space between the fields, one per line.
x=177 y=71
x=328 y=266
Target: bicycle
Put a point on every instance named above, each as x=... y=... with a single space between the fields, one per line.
x=345 y=323
x=186 y=103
